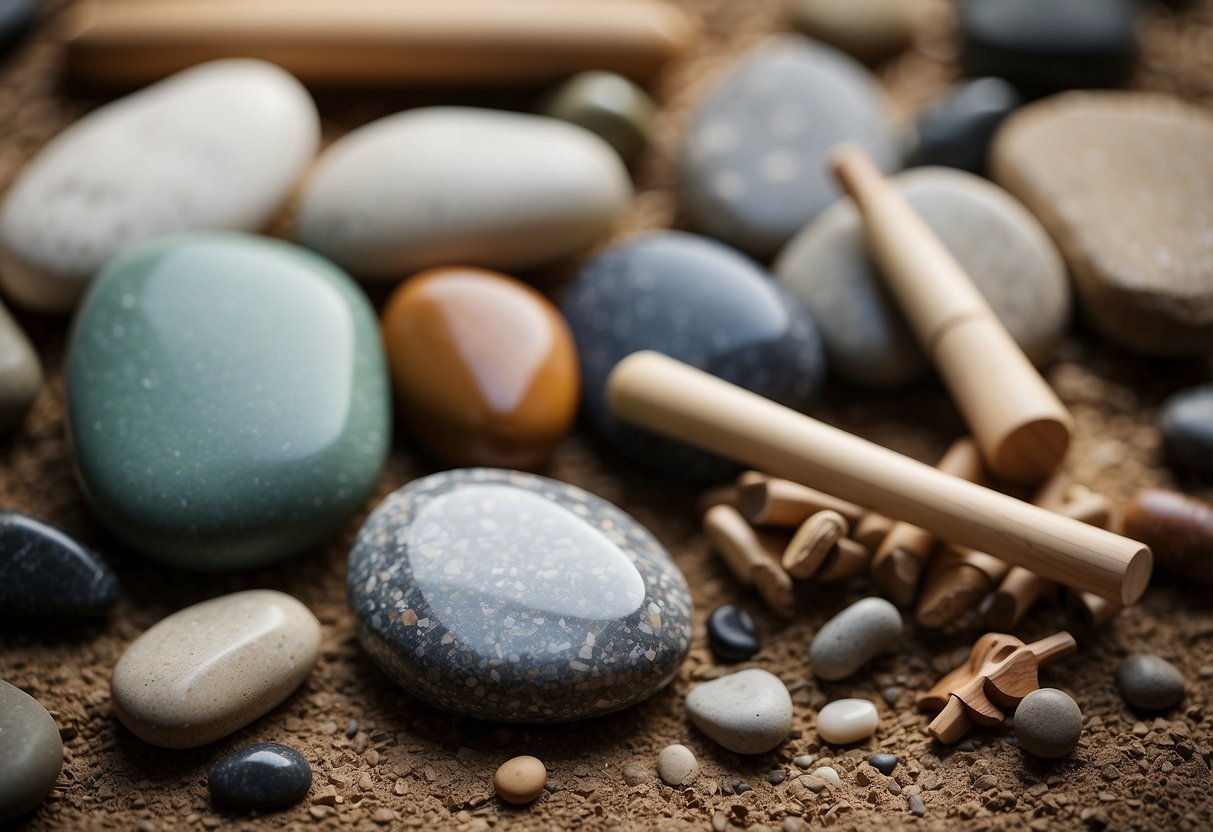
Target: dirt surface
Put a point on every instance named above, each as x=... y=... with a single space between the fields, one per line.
x=383 y=760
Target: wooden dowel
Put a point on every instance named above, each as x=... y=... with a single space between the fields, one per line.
x=377 y=42
x=663 y=395
x=1020 y=425
x=871 y=530
x=848 y=559
x=821 y=550
x=728 y=495
x=751 y=557
x=1090 y=612
x=778 y=502
x=897 y=565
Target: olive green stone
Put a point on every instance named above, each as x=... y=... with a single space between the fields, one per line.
x=227 y=399
x=610 y=105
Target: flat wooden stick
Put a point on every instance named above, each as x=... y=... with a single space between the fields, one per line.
x=750 y=557
x=663 y=395
x=419 y=43
x=1020 y=425
x=779 y=502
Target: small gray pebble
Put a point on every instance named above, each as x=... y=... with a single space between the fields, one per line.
x=854 y=637
x=884 y=763
x=777 y=776
x=804 y=760
x=917 y=807
x=965 y=745
x=1150 y=682
x=740 y=786
x=634 y=774
x=351 y=730
x=1048 y=723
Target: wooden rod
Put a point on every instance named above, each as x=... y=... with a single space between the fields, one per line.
x=751 y=557
x=778 y=502
x=420 y=43
x=668 y=397
x=1020 y=425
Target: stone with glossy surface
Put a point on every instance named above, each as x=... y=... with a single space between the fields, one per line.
x=31 y=752
x=1048 y=723
x=1047 y=45
x=957 y=130
x=884 y=763
x=484 y=367
x=870 y=30
x=703 y=303
x=754 y=161
x=218 y=146
x=732 y=635
x=676 y=765
x=1000 y=245
x=854 y=637
x=507 y=596
x=265 y=775
x=1185 y=421
x=442 y=185
x=1177 y=528
x=20 y=373
x=227 y=399
x=208 y=670
x=845 y=721
x=1150 y=682
x=748 y=712
x=43 y=572
x=609 y=105
x=16 y=17
x=1144 y=276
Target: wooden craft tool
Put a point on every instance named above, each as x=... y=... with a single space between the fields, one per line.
x=898 y=563
x=778 y=502
x=661 y=394
x=1020 y=425
x=871 y=530
x=752 y=557
x=365 y=43
x=821 y=549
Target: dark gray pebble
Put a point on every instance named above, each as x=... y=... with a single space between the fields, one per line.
x=45 y=573
x=16 y=16
x=1186 y=424
x=1043 y=46
x=703 y=303
x=777 y=776
x=956 y=131
x=266 y=775
x=732 y=635
x=917 y=807
x=884 y=763
x=741 y=787
x=1150 y=682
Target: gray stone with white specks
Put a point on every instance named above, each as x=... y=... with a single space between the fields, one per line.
x=512 y=597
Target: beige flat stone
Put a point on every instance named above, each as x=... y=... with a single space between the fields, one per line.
x=210 y=669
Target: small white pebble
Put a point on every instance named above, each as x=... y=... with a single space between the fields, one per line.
x=676 y=765
x=829 y=775
x=845 y=721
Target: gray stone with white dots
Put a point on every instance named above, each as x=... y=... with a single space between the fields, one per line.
x=507 y=596
x=754 y=163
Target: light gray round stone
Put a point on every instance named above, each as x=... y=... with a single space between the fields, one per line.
x=1048 y=723
x=1150 y=682
x=748 y=712
x=1001 y=246
x=854 y=637
x=31 y=752
x=676 y=765
x=754 y=162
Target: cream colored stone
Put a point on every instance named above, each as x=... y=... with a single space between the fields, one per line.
x=676 y=765
x=213 y=668
x=845 y=721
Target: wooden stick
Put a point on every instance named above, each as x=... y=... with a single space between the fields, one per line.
x=1090 y=612
x=898 y=563
x=751 y=557
x=848 y=559
x=671 y=398
x=821 y=542
x=377 y=42
x=729 y=495
x=871 y=530
x=1020 y=425
x=778 y=502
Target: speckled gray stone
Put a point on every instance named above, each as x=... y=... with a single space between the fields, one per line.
x=1150 y=682
x=43 y=572
x=511 y=597
x=1048 y=723
x=753 y=164
x=265 y=775
x=31 y=752
x=854 y=637
x=748 y=712
x=1000 y=245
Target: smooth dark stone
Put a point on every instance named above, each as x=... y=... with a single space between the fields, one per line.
x=956 y=131
x=884 y=763
x=732 y=635
x=511 y=597
x=1150 y=682
x=43 y=572
x=703 y=303
x=16 y=16
x=1186 y=424
x=1043 y=46
x=265 y=775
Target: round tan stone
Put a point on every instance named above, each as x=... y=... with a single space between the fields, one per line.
x=484 y=367
x=210 y=669
x=520 y=780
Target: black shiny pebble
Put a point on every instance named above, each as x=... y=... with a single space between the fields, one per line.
x=884 y=763
x=266 y=775
x=45 y=573
x=1043 y=46
x=956 y=131
x=732 y=635
x=15 y=19
x=1186 y=424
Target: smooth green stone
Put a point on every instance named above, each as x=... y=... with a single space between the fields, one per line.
x=227 y=399
x=616 y=109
